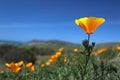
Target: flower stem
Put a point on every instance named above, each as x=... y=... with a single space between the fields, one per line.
x=87 y=56
x=88 y=39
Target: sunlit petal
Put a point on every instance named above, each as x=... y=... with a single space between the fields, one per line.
x=90 y=24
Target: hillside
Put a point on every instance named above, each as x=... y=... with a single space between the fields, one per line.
x=49 y=43
x=37 y=42
x=54 y=43
x=17 y=43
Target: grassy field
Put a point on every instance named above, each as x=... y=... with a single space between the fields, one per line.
x=102 y=65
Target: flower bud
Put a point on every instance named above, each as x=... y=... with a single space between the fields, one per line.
x=85 y=43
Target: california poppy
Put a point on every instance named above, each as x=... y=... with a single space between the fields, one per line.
x=61 y=49
x=13 y=66
x=75 y=50
x=20 y=63
x=89 y=24
x=100 y=51
x=30 y=66
x=118 y=48
x=65 y=60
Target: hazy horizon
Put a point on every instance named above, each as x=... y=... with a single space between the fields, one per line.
x=58 y=40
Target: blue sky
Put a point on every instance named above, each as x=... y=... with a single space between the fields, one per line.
x=24 y=20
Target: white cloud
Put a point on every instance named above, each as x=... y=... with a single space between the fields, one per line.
x=28 y=25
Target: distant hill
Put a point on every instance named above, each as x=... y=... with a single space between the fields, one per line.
x=34 y=42
x=51 y=43
x=2 y=42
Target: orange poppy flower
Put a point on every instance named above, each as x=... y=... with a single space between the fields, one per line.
x=75 y=50
x=20 y=63
x=118 y=48
x=54 y=57
x=30 y=66
x=13 y=66
x=8 y=65
x=61 y=49
x=42 y=65
x=58 y=54
x=50 y=60
x=47 y=63
x=89 y=24
x=100 y=51
x=65 y=60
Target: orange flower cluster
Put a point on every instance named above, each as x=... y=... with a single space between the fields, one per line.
x=100 y=51
x=89 y=24
x=16 y=67
x=54 y=57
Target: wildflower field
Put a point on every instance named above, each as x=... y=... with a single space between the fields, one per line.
x=86 y=63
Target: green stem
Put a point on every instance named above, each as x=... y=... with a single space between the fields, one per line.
x=102 y=69
x=88 y=39
x=87 y=56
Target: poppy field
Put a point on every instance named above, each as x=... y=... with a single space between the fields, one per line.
x=86 y=63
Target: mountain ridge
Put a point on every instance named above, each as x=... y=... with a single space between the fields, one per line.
x=36 y=42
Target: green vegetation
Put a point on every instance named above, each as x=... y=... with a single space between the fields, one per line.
x=104 y=68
